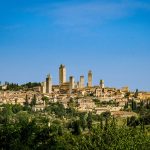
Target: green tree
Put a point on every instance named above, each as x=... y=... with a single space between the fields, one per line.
x=7 y=114
x=106 y=114
x=45 y=99
x=89 y=121
x=83 y=121
x=126 y=105
x=132 y=121
x=141 y=104
x=60 y=130
x=72 y=103
x=136 y=93
x=33 y=102
x=56 y=108
x=76 y=129
x=133 y=105
x=26 y=103
x=16 y=108
x=147 y=104
x=23 y=117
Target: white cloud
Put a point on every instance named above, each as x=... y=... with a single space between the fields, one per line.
x=90 y=13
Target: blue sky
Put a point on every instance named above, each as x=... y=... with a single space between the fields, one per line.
x=112 y=38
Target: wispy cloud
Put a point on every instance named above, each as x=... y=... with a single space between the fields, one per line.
x=90 y=13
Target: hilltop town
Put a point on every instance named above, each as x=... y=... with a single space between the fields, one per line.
x=90 y=98
x=70 y=114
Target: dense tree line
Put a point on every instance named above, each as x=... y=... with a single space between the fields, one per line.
x=143 y=111
x=13 y=86
x=65 y=128
x=30 y=85
x=137 y=107
x=16 y=87
x=105 y=103
x=31 y=136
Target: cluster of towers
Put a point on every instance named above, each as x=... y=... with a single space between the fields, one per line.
x=62 y=78
x=46 y=87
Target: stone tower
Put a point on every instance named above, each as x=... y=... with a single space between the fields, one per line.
x=90 y=78
x=48 y=84
x=102 y=84
x=71 y=84
x=43 y=87
x=62 y=74
x=81 y=82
